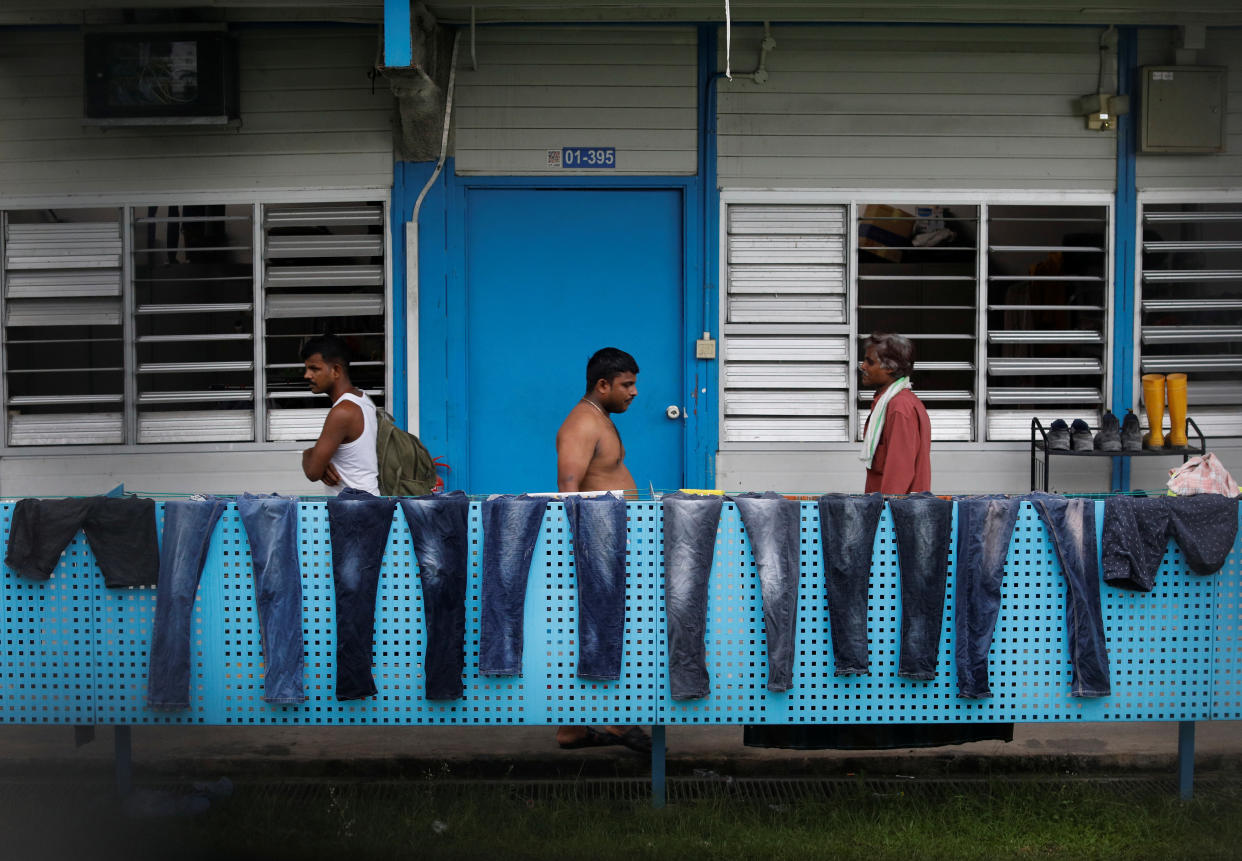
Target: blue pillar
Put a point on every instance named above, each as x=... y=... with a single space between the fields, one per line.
x=658 y=794
x=1186 y=759
x=1125 y=229
x=705 y=372
x=398 y=46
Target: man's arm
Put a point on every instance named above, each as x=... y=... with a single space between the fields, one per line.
x=317 y=460
x=575 y=447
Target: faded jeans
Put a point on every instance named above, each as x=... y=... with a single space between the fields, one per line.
x=772 y=525
x=690 y=523
x=1071 y=523
x=271 y=524
x=598 y=526
x=119 y=530
x=847 y=526
x=188 y=525
x=924 y=526
x=510 y=529
x=984 y=527
x=440 y=531
x=358 y=524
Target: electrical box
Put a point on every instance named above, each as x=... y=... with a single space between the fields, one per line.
x=1183 y=109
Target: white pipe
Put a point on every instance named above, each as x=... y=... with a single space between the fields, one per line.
x=728 y=42
x=411 y=259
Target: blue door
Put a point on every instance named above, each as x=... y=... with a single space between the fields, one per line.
x=552 y=276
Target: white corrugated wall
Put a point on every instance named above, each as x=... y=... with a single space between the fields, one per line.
x=539 y=89
x=912 y=107
x=309 y=120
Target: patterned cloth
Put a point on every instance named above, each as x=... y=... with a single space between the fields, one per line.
x=1202 y=474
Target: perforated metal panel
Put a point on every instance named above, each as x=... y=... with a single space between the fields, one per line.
x=76 y=652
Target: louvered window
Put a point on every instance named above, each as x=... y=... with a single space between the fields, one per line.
x=1006 y=304
x=786 y=334
x=1190 y=308
x=183 y=323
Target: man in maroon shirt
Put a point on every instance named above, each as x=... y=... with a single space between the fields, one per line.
x=897 y=438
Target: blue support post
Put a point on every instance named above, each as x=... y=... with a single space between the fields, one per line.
x=1186 y=759
x=398 y=46
x=1125 y=229
x=658 y=795
x=123 y=760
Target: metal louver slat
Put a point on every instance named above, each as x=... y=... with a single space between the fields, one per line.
x=1026 y=395
x=1200 y=392
x=832 y=429
x=1181 y=364
x=193 y=397
x=290 y=305
x=325 y=245
x=787 y=249
x=928 y=395
x=1157 y=276
x=799 y=403
x=1185 y=334
x=324 y=276
x=62 y=400
x=63 y=245
x=295 y=424
x=1192 y=216
x=189 y=367
x=785 y=376
x=787 y=279
x=1192 y=304
x=1034 y=336
x=63 y=312
x=196 y=426
x=63 y=285
x=1016 y=424
x=323 y=215
x=1194 y=245
x=787 y=309
x=787 y=219
x=1043 y=366
x=791 y=349
x=66 y=429
x=195 y=308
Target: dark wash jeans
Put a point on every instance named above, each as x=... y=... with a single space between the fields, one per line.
x=598 y=527
x=1137 y=530
x=847 y=526
x=690 y=523
x=924 y=527
x=271 y=524
x=984 y=527
x=358 y=524
x=510 y=529
x=120 y=531
x=440 y=530
x=1071 y=523
x=772 y=525
x=188 y=524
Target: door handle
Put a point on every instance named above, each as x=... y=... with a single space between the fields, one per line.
x=673 y=411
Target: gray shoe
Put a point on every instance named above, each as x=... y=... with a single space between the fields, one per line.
x=1080 y=436
x=1109 y=437
x=1058 y=436
x=1131 y=434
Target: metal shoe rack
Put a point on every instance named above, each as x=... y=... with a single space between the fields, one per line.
x=1041 y=455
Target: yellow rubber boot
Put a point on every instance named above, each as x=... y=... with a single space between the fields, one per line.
x=1175 y=386
x=1153 y=401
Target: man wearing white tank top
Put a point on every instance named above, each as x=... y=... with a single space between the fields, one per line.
x=344 y=455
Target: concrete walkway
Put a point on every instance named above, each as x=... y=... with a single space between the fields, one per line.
x=360 y=752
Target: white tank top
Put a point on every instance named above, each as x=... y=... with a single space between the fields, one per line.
x=356 y=461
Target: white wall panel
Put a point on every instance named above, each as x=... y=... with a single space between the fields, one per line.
x=545 y=88
x=309 y=119
x=1207 y=170
x=912 y=107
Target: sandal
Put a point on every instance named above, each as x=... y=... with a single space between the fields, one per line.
x=593 y=738
x=635 y=739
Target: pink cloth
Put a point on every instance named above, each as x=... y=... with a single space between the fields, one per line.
x=1202 y=474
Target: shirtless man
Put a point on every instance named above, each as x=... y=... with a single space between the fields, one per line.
x=590 y=456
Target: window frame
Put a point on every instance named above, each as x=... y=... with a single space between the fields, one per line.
x=257 y=200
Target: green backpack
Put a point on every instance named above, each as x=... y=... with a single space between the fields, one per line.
x=405 y=465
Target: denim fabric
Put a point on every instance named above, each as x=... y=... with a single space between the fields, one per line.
x=1137 y=531
x=690 y=523
x=510 y=530
x=924 y=528
x=120 y=531
x=847 y=526
x=188 y=524
x=772 y=525
x=1071 y=523
x=598 y=526
x=358 y=524
x=440 y=530
x=984 y=526
x=271 y=524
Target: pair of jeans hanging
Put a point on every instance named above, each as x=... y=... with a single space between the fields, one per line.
x=598 y=528
x=439 y=530
x=271 y=524
x=1071 y=523
x=358 y=524
x=772 y=526
x=847 y=527
x=188 y=525
x=120 y=531
x=1137 y=531
x=510 y=529
x=690 y=523
x=985 y=526
x=923 y=525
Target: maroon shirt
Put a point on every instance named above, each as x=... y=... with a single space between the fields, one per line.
x=902 y=462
